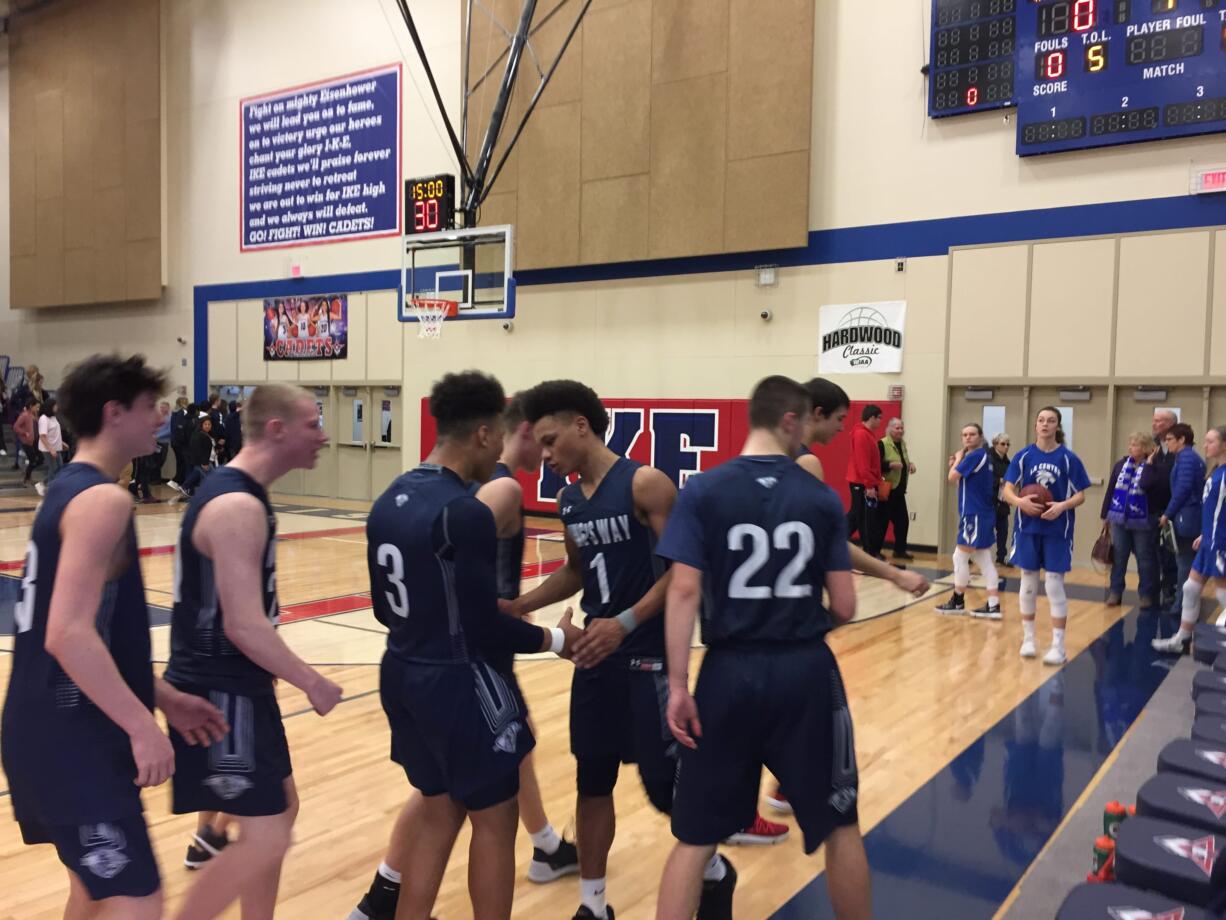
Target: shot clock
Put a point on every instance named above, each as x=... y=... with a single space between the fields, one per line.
x=429 y=204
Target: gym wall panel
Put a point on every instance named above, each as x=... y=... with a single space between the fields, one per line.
x=249 y=321
x=1164 y=279
x=781 y=177
x=617 y=73
x=288 y=371
x=613 y=220
x=1217 y=353
x=547 y=209
x=987 y=318
x=86 y=89
x=1072 y=288
x=384 y=336
x=689 y=38
x=688 y=133
x=223 y=341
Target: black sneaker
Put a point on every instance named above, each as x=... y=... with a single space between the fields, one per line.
x=585 y=913
x=716 y=903
x=955 y=605
x=379 y=902
x=205 y=845
x=548 y=867
x=987 y=612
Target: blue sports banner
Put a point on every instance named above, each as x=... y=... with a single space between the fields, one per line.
x=306 y=328
x=321 y=162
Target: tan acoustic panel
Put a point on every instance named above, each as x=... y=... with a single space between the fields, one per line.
x=85 y=162
x=249 y=321
x=1217 y=354
x=1163 y=278
x=1071 y=292
x=616 y=125
x=499 y=209
x=613 y=226
x=223 y=339
x=987 y=316
x=548 y=206
x=770 y=77
x=549 y=32
x=688 y=121
x=766 y=202
x=689 y=38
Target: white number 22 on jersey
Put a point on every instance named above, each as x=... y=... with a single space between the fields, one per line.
x=759 y=552
x=389 y=557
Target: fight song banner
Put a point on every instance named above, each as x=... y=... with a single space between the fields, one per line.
x=862 y=338
x=679 y=437
x=321 y=162
x=306 y=328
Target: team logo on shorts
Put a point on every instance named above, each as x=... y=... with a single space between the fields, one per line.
x=1219 y=564
x=228 y=786
x=843 y=799
x=1217 y=758
x=105 y=856
x=506 y=739
x=970 y=530
x=1140 y=913
x=1201 y=851
x=1214 y=800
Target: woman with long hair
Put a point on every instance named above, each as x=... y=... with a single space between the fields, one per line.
x=1043 y=533
x=1209 y=563
x=971 y=469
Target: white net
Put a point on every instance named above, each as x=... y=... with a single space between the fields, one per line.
x=431 y=314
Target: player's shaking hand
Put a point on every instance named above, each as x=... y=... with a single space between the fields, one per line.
x=598 y=641
x=323 y=695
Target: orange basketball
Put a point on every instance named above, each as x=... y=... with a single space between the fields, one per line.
x=1041 y=493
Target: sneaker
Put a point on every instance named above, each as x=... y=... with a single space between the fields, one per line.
x=716 y=903
x=547 y=867
x=1028 y=650
x=174 y=485
x=955 y=606
x=760 y=833
x=905 y=557
x=778 y=801
x=987 y=612
x=1055 y=655
x=1172 y=645
x=40 y=488
x=205 y=844
x=3 y=452
x=1113 y=599
x=585 y=913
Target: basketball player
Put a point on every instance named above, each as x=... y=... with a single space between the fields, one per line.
x=458 y=725
x=79 y=736
x=552 y=857
x=304 y=322
x=971 y=469
x=224 y=648
x=613 y=515
x=760 y=539
x=321 y=323
x=282 y=323
x=1043 y=537
x=1210 y=546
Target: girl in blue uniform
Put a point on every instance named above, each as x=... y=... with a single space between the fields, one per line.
x=971 y=469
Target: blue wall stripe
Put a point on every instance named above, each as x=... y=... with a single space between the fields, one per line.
x=911 y=239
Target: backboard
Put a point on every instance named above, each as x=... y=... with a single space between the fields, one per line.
x=474 y=267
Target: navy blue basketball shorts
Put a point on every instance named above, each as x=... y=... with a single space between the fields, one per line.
x=458 y=729
x=113 y=859
x=242 y=774
x=619 y=714
x=784 y=708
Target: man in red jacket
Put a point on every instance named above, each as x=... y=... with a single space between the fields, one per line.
x=863 y=478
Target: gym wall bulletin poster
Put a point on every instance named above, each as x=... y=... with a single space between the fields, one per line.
x=306 y=328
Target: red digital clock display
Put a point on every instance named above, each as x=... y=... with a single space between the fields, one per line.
x=429 y=204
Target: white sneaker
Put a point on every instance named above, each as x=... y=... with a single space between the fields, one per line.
x=1172 y=645
x=1055 y=655
x=174 y=485
x=3 y=452
x=1027 y=650
x=40 y=488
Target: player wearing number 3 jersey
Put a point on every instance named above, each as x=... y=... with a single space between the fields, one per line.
x=757 y=540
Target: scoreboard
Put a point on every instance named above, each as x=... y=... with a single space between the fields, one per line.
x=1082 y=73
x=1102 y=72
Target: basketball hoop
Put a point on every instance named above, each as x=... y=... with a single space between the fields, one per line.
x=430 y=315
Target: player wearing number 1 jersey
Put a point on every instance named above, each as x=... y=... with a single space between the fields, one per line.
x=756 y=541
x=612 y=517
x=79 y=736
x=224 y=648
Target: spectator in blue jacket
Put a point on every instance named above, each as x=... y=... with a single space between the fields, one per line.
x=1183 y=510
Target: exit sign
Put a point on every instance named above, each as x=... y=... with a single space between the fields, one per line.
x=1208 y=180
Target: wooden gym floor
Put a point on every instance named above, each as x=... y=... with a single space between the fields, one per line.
x=923 y=690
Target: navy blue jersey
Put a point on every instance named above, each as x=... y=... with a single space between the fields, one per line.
x=764 y=532
x=975 y=489
x=67 y=762
x=617 y=554
x=431 y=550
x=1064 y=475
x=200 y=654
